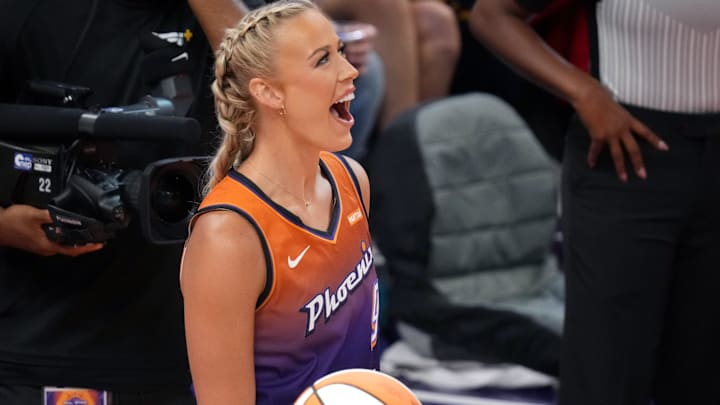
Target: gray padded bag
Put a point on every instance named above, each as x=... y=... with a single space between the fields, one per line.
x=464 y=210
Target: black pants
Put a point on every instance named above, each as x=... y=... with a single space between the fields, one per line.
x=24 y=395
x=643 y=270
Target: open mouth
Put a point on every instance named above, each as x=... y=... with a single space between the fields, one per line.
x=341 y=108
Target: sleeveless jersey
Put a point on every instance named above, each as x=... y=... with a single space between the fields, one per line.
x=319 y=311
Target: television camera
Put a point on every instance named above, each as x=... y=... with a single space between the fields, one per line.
x=62 y=159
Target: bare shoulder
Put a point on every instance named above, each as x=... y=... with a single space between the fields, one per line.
x=222 y=221
x=225 y=231
x=223 y=247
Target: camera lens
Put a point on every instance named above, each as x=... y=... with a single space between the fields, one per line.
x=173 y=195
x=169 y=196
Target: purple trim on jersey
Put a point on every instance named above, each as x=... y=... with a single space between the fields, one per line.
x=354 y=179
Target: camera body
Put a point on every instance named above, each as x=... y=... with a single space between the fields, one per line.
x=72 y=169
x=91 y=204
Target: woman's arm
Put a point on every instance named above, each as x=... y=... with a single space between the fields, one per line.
x=502 y=26
x=222 y=276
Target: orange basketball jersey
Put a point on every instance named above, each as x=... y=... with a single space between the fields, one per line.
x=319 y=311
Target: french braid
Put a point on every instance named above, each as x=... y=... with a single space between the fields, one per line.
x=244 y=53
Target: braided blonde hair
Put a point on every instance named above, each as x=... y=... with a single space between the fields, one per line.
x=244 y=53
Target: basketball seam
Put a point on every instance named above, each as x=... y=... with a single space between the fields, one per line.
x=317 y=394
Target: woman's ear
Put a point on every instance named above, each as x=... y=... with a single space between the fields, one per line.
x=266 y=94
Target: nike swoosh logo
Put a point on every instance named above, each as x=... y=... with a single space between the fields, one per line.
x=294 y=262
x=183 y=55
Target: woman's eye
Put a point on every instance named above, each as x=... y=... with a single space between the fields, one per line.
x=323 y=60
x=341 y=50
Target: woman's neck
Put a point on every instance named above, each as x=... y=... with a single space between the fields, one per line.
x=285 y=176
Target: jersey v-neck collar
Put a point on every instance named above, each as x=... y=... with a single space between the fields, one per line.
x=328 y=234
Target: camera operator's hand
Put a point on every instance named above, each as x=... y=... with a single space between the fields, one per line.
x=21 y=228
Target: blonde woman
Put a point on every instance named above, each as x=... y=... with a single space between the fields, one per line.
x=278 y=275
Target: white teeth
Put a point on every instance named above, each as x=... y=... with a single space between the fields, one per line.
x=349 y=97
